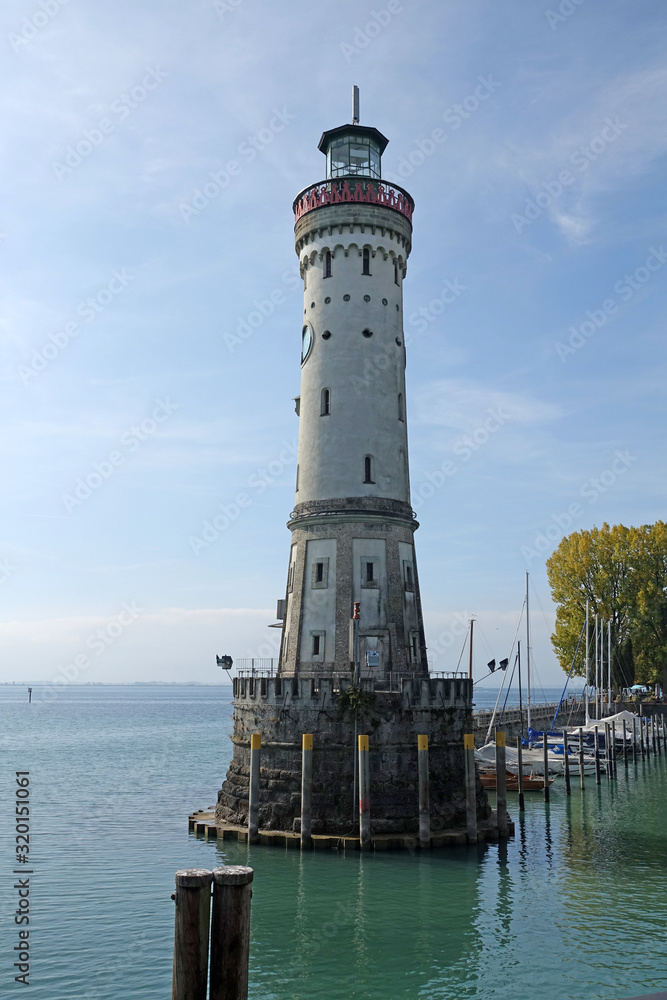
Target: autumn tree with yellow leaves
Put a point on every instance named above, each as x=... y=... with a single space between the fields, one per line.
x=622 y=573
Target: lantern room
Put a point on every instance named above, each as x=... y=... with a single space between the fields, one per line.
x=353 y=151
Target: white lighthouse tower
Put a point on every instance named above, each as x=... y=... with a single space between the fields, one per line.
x=352 y=524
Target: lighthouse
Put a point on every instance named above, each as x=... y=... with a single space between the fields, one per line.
x=353 y=662
x=352 y=525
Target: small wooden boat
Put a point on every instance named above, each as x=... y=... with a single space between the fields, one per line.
x=531 y=782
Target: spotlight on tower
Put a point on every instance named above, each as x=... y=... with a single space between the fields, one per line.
x=503 y=664
x=225 y=662
x=491 y=665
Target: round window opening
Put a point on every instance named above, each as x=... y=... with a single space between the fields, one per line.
x=368 y=333
x=384 y=302
x=326 y=334
x=367 y=298
x=306 y=343
x=346 y=298
x=327 y=300
x=398 y=341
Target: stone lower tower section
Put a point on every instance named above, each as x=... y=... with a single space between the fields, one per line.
x=352 y=525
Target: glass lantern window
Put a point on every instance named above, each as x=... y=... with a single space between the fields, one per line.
x=353 y=156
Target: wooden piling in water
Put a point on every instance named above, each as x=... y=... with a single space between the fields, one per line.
x=597 y=758
x=424 y=798
x=607 y=750
x=501 y=783
x=545 y=759
x=634 y=740
x=191 y=934
x=364 y=792
x=566 y=763
x=613 y=749
x=653 y=733
x=471 y=786
x=253 y=796
x=625 y=743
x=581 y=760
x=230 y=932
x=519 y=756
x=306 y=790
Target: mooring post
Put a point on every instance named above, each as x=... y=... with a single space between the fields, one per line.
x=607 y=750
x=519 y=757
x=471 y=786
x=253 y=798
x=191 y=930
x=634 y=740
x=566 y=762
x=653 y=732
x=597 y=758
x=657 y=734
x=581 y=760
x=306 y=790
x=545 y=761
x=230 y=932
x=501 y=783
x=364 y=800
x=625 y=743
x=613 y=749
x=424 y=798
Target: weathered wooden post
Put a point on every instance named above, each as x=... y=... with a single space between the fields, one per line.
x=501 y=783
x=364 y=800
x=653 y=732
x=657 y=733
x=191 y=930
x=519 y=757
x=307 y=790
x=597 y=758
x=613 y=750
x=471 y=786
x=634 y=739
x=607 y=750
x=566 y=763
x=253 y=797
x=230 y=932
x=424 y=797
x=625 y=743
x=545 y=760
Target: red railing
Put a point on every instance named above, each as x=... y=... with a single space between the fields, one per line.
x=335 y=192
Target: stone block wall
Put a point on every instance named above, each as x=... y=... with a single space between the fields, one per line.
x=283 y=709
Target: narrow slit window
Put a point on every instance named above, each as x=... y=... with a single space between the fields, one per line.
x=413 y=644
x=368 y=469
x=297 y=479
x=327 y=264
x=408 y=578
x=319 y=572
x=396 y=281
x=316 y=645
x=370 y=576
x=401 y=408
x=325 y=406
x=366 y=257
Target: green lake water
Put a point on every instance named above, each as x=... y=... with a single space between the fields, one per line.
x=574 y=907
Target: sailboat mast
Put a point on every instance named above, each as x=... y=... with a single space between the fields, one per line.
x=587 y=677
x=518 y=657
x=609 y=664
x=528 y=651
x=472 y=622
x=597 y=668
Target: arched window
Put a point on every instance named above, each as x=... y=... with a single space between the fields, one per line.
x=368 y=469
x=327 y=264
x=366 y=268
x=396 y=281
x=325 y=403
x=401 y=408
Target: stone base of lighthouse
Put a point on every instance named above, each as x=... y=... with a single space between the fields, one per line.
x=283 y=709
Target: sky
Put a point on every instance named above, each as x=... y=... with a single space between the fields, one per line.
x=150 y=309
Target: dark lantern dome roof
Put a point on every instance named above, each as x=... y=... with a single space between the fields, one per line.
x=363 y=130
